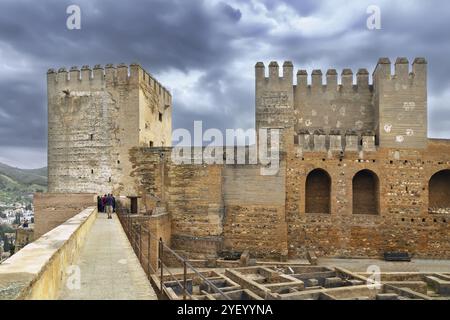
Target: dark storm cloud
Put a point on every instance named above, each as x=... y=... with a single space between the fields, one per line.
x=205 y=52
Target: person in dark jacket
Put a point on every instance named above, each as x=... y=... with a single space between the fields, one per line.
x=104 y=203
x=99 y=204
x=113 y=203
x=109 y=205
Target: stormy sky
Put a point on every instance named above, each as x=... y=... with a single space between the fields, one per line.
x=205 y=52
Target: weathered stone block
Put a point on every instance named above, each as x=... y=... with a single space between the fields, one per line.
x=333 y=282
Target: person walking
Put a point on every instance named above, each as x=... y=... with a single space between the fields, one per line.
x=109 y=205
x=104 y=203
x=99 y=204
x=113 y=203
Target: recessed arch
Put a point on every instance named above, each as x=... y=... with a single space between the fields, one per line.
x=439 y=192
x=318 y=189
x=366 y=193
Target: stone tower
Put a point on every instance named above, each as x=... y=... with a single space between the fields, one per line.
x=94 y=118
x=275 y=100
x=400 y=101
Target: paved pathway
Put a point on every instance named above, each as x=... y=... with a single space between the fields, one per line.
x=109 y=269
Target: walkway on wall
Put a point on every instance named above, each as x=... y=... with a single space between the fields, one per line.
x=109 y=268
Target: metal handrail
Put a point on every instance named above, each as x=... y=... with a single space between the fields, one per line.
x=178 y=282
x=135 y=238
x=187 y=264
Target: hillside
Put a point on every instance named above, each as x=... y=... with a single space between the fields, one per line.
x=16 y=185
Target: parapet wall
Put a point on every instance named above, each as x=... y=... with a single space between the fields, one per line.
x=37 y=271
x=98 y=77
x=331 y=105
x=393 y=106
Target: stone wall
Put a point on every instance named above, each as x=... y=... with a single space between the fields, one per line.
x=160 y=227
x=378 y=201
x=332 y=106
x=354 y=178
x=37 y=271
x=394 y=106
x=215 y=207
x=53 y=209
x=403 y=222
x=254 y=211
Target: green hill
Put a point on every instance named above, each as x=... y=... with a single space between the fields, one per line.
x=17 y=185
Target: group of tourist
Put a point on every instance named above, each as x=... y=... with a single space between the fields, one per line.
x=107 y=204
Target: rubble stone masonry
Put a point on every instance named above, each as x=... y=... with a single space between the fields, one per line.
x=358 y=175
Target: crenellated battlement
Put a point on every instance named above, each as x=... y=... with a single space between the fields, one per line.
x=393 y=104
x=274 y=77
x=332 y=81
x=347 y=79
x=97 y=78
x=402 y=72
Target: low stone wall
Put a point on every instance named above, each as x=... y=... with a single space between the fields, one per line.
x=37 y=271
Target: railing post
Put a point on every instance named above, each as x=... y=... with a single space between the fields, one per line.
x=129 y=228
x=161 y=262
x=140 y=243
x=148 y=253
x=184 y=280
x=132 y=236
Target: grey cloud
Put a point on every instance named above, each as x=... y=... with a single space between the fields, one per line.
x=182 y=35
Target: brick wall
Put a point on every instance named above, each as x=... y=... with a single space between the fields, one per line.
x=268 y=215
x=403 y=222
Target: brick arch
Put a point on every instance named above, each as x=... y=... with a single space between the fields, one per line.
x=366 y=192
x=439 y=192
x=318 y=192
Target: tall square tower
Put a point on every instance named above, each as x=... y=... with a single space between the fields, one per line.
x=94 y=118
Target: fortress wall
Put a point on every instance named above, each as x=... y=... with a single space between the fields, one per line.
x=254 y=211
x=403 y=223
x=194 y=200
x=191 y=195
x=215 y=207
x=329 y=106
x=232 y=208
